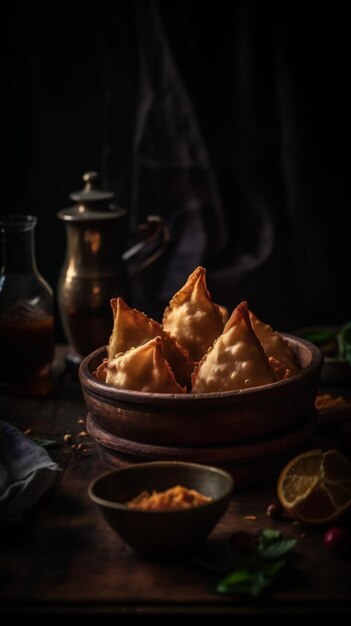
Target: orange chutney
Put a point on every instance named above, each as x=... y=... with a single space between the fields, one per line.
x=175 y=498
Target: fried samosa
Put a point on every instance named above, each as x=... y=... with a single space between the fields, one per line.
x=143 y=369
x=101 y=371
x=192 y=318
x=274 y=346
x=132 y=328
x=236 y=361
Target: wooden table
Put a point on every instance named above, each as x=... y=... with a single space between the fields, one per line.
x=64 y=558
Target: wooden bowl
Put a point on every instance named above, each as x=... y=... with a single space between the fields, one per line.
x=202 y=420
x=162 y=534
x=251 y=463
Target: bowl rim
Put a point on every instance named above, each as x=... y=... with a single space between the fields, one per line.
x=119 y=506
x=96 y=386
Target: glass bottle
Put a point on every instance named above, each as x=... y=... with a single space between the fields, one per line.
x=26 y=312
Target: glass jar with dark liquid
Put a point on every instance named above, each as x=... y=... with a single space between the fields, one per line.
x=26 y=312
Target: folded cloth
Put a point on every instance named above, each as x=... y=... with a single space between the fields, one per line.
x=26 y=472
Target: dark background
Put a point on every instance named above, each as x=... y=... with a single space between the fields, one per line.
x=232 y=122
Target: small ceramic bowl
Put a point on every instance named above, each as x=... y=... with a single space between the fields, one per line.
x=162 y=534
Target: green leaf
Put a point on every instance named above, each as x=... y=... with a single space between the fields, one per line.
x=265 y=576
x=268 y=534
x=249 y=574
x=272 y=551
x=253 y=583
x=344 y=340
x=234 y=580
x=271 y=546
x=44 y=443
x=319 y=337
x=324 y=338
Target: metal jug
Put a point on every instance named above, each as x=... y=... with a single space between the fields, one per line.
x=95 y=268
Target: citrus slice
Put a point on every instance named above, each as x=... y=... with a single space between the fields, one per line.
x=315 y=487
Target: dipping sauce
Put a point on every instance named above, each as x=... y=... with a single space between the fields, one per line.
x=27 y=349
x=175 y=498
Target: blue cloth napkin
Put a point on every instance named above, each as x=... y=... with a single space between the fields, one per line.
x=26 y=472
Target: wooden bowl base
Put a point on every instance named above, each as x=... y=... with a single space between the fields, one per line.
x=251 y=464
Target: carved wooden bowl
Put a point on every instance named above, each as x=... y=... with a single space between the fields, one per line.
x=246 y=429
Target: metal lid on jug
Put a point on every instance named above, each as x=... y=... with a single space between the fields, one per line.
x=91 y=202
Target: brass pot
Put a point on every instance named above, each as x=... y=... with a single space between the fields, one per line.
x=95 y=266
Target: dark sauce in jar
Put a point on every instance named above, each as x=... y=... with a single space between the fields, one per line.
x=27 y=352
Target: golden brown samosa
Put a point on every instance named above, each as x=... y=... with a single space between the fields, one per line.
x=132 y=328
x=101 y=371
x=274 y=346
x=281 y=372
x=191 y=316
x=143 y=369
x=224 y=313
x=236 y=361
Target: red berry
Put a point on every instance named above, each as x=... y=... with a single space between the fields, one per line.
x=243 y=541
x=337 y=540
x=275 y=511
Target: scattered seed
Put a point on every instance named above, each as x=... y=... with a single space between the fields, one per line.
x=80 y=421
x=67 y=438
x=251 y=518
x=74 y=446
x=27 y=431
x=84 y=452
x=83 y=433
x=79 y=446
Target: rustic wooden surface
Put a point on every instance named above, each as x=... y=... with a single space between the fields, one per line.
x=64 y=557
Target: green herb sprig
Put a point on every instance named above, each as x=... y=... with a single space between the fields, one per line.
x=344 y=342
x=258 y=569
